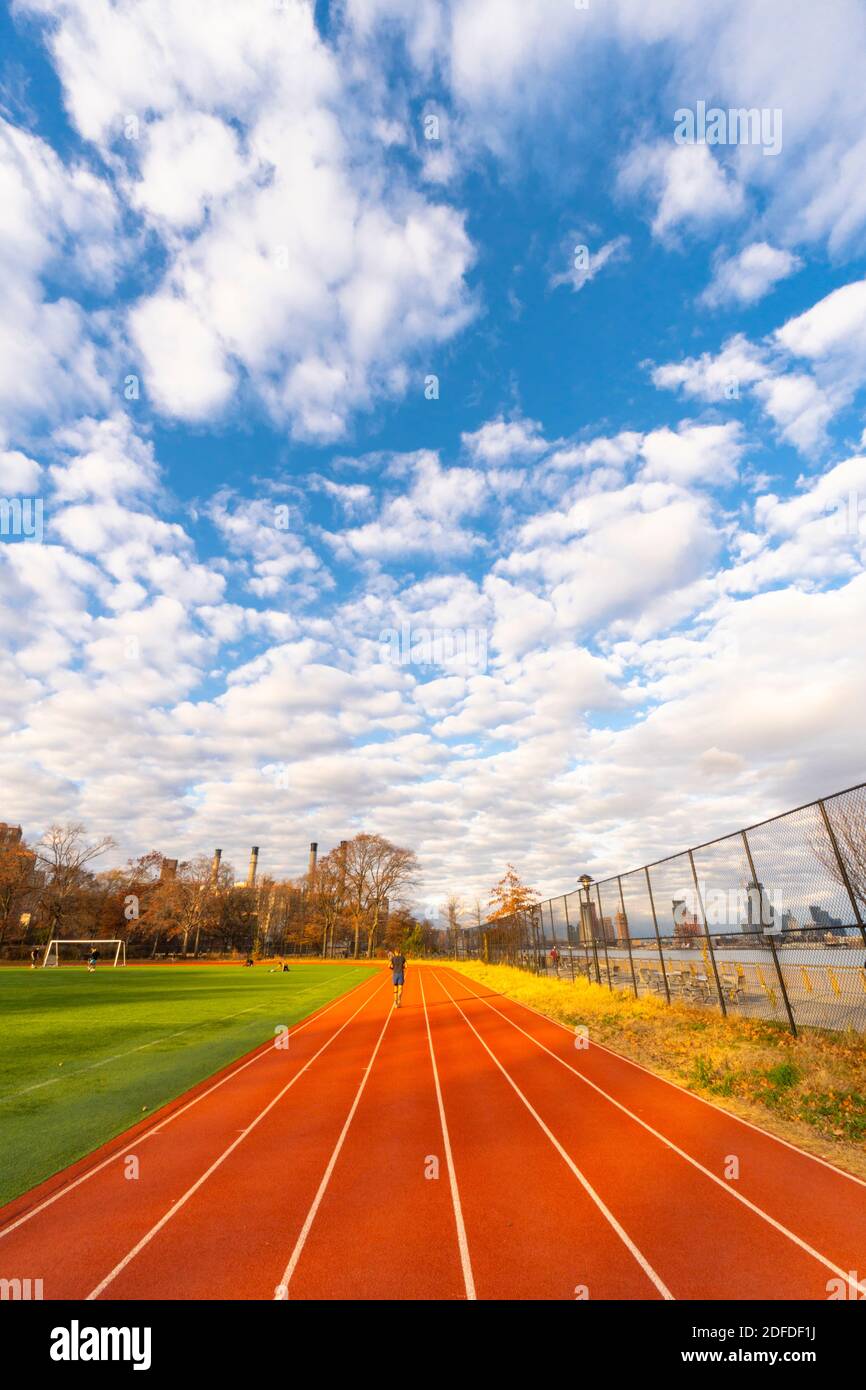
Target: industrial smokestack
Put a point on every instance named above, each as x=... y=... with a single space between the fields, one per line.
x=215 y=867
x=314 y=853
x=251 y=872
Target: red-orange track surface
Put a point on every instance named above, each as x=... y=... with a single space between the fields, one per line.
x=461 y=1147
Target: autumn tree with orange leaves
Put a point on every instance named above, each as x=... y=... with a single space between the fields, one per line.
x=511 y=895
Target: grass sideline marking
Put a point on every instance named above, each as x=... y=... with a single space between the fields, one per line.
x=182 y=1201
x=584 y=1182
x=681 y=1153
x=91 y=1066
x=462 y=1241
x=164 y=1037
x=263 y=1050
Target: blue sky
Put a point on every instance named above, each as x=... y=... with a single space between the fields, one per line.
x=623 y=532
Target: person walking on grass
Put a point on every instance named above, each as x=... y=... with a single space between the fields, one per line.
x=34 y=958
x=397 y=962
x=92 y=958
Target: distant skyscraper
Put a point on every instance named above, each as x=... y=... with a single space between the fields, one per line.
x=822 y=918
x=759 y=908
x=686 y=924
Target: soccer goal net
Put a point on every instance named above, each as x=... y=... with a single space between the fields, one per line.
x=111 y=949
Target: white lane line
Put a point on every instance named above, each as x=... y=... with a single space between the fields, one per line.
x=462 y=1242
x=585 y=1184
x=692 y=1095
x=281 y=1293
x=720 y=1182
x=264 y=1050
x=182 y=1201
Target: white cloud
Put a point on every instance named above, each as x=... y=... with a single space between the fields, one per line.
x=750 y=274
x=428 y=518
x=714 y=378
x=264 y=533
x=102 y=459
x=587 y=263
x=798 y=406
x=19 y=475
x=612 y=553
x=707 y=454
x=611 y=452
x=186 y=372
x=831 y=336
x=322 y=302
x=834 y=328
x=191 y=161
x=502 y=441
x=59 y=221
x=686 y=184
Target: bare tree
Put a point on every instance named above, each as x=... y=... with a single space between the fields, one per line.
x=63 y=854
x=393 y=872
x=850 y=832
x=453 y=909
x=376 y=872
x=328 y=897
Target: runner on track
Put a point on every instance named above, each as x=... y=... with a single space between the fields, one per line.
x=397 y=963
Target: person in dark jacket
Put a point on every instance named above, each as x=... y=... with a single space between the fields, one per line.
x=397 y=963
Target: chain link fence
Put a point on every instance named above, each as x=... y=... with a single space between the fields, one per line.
x=765 y=923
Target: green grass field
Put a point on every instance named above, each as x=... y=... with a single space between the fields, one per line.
x=83 y=1057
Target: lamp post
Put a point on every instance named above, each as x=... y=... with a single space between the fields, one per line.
x=586 y=883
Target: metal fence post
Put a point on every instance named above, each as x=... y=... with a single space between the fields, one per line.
x=537 y=927
x=553 y=936
x=788 y=1010
x=589 y=934
x=627 y=938
x=842 y=869
x=722 y=1004
x=658 y=937
x=770 y=942
x=568 y=934
x=603 y=937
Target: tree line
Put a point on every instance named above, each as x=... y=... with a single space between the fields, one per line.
x=353 y=903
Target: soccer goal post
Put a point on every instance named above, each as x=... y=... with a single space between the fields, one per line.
x=52 y=950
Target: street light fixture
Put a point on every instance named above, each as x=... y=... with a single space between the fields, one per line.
x=588 y=928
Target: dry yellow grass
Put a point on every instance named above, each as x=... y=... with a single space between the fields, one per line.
x=810 y=1090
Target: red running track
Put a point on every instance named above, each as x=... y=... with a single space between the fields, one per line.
x=461 y=1147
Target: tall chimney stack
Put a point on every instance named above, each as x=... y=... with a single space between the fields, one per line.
x=251 y=872
x=314 y=854
x=215 y=867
